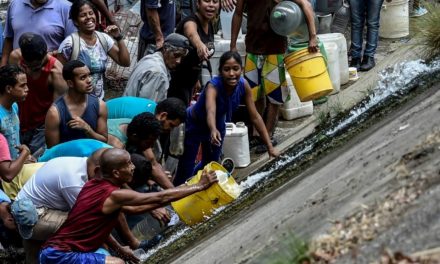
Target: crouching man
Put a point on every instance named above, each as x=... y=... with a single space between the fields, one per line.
x=97 y=208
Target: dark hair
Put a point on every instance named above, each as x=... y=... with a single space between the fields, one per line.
x=8 y=76
x=142 y=170
x=32 y=46
x=144 y=126
x=175 y=108
x=69 y=67
x=228 y=55
x=76 y=7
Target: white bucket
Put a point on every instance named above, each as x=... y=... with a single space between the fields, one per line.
x=340 y=41
x=236 y=144
x=294 y=108
x=332 y=51
x=226 y=22
x=394 y=19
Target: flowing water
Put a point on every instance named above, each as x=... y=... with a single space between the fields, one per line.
x=393 y=82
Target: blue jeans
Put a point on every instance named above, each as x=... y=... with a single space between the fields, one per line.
x=364 y=12
x=186 y=8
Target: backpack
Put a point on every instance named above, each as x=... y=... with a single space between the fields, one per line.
x=76 y=43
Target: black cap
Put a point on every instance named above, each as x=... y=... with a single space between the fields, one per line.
x=177 y=40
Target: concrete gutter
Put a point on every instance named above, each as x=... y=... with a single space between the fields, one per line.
x=390 y=52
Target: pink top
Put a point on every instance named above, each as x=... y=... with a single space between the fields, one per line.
x=5 y=155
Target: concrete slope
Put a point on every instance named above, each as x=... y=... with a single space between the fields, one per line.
x=360 y=173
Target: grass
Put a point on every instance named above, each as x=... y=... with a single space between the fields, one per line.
x=336 y=107
x=322 y=117
x=293 y=251
x=429 y=30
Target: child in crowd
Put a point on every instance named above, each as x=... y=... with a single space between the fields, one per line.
x=13 y=88
x=206 y=120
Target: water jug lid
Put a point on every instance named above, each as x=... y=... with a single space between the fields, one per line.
x=240 y=124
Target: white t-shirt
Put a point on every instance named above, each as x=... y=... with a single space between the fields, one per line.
x=57 y=184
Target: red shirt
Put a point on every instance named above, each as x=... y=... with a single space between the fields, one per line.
x=86 y=227
x=32 y=111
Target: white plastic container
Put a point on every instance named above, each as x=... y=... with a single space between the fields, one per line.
x=226 y=22
x=340 y=41
x=394 y=19
x=333 y=65
x=221 y=46
x=294 y=108
x=236 y=144
x=177 y=139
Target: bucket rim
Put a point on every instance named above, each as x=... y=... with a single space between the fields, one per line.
x=393 y=3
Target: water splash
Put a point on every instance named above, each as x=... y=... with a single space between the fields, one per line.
x=168 y=241
x=283 y=161
x=392 y=81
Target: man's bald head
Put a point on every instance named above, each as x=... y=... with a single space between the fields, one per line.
x=111 y=159
x=96 y=156
x=93 y=163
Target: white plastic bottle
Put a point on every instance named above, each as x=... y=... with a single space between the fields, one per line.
x=177 y=138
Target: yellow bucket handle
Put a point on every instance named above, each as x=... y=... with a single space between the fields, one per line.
x=304 y=58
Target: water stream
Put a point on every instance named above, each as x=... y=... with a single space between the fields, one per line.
x=393 y=82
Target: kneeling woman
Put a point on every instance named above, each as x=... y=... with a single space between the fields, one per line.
x=206 y=120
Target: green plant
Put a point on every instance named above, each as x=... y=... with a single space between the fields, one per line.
x=429 y=30
x=336 y=107
x=322 y=117
x=293 y=251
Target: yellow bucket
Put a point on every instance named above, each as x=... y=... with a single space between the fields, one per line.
x=195 y=207
x=309 y=74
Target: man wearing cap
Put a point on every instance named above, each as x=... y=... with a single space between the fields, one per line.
x=48 y=18
x=45 y=82
x=150 y=77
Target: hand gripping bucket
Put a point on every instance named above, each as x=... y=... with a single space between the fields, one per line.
x=195 y=207
x=309 y=74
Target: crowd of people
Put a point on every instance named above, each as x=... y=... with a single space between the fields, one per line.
x=77 y=171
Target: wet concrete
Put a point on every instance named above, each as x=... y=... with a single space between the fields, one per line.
x=357 y=174
x=278 y=177
x=292 y=133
